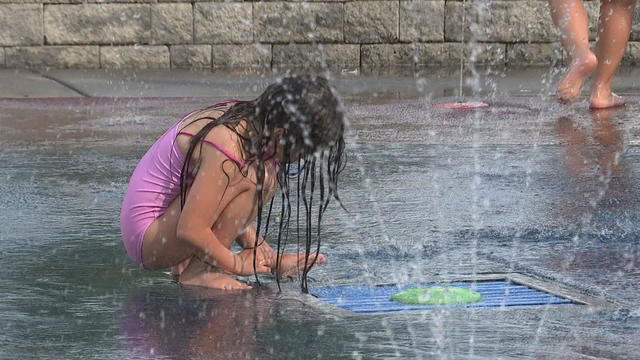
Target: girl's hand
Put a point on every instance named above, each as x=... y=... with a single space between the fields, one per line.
x=265 y=250
x=244 y=262
x=291 y=263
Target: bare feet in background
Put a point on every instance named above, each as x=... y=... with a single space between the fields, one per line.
x=614 y=28
x=580 y=69
x=602 y=99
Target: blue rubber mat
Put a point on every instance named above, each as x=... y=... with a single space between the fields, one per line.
x=373 y=299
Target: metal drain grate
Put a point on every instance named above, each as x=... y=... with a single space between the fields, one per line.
x=377 y=298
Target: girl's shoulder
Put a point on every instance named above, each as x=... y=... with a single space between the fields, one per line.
x=221 y=139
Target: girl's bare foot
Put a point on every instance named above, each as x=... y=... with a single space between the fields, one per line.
x=292 y=263
x=178 y=269
x=200 y=274
x=603 y=100
x=571 y=84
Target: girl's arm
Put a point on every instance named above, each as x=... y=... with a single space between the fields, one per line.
x=203 y=207
x=248 y=241
x=248 y=237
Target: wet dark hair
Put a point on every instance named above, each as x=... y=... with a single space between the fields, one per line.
x=311 y=120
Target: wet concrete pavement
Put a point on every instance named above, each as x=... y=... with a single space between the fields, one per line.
x=390 y=84
x=525 y=185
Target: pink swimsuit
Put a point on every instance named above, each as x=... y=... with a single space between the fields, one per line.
x=155 y=183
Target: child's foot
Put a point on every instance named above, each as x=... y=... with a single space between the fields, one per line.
x=178 y=269
x=571 y=84
x=290 y=264
x=199 y=274
x=606 y=101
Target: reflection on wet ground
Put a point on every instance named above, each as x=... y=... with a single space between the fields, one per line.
x=524 y=185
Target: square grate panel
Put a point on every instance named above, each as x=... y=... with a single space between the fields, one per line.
x=495 y=294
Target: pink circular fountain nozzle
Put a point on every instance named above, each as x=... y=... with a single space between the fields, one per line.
x=462 y=105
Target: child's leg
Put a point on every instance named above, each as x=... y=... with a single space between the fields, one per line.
x=571 y=18
x=614 y=30
x=162 y=249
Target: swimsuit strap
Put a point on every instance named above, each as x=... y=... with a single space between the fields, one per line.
x=226 y=152
x=220 y=148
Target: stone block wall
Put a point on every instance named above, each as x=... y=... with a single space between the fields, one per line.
x=341 y=35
